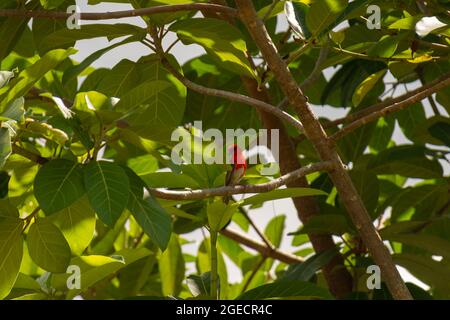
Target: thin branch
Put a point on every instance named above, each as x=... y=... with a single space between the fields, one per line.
x=255 y=227
x=313 y=76
x=239 y=189
x=367 y=57
x=394 y=107
x=221 y=93
x=119 y=14
x=387 y=103
x=253 y=274
x=29 y=155
x=261 y=248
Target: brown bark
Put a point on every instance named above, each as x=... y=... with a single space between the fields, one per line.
x=316 y=134
x=337 y=276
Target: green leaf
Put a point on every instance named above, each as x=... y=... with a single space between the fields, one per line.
x=408 y=23
x=153 y=219
x=77 y=224
x=274 y=230
x=325 y=224
x=281 y=194
x=323 y=13
x=27 y=78
x=219 y=214
x=64 y=38
x=74 y=71
x=171 y=268
x=108 y=189
x=385 y=47
x=366 y=183
x=441 y=131
x=200 y=285
x=306 y=270
x=51 y=4
x=220 y=39
x=433 y=273
x=14 y=111
x=366 y=86
x=95 y=268
x=407 y=161
x=58 y=184
x=5 y=146
x=286 y=289
x=430 y=243
x=47 y=246
x=152 y=109
x=11 y=246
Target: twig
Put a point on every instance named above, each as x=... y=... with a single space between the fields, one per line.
x=239 y=189
x=261 y=248
x=387 y=103
x=119 y=14
x=29 y=155
x=255 y=227
x=394 y=107
x=221 y=93
x=253 y=274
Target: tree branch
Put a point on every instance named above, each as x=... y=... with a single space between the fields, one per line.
x=119 y=14
x=239 y=189
x=316 y=134
x=387 y=103
x=261 y=248
x=394 y=107
x=339 y=280
x=236 y=97
x=29 y=155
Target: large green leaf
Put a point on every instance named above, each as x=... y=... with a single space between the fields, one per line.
x=47 y=246
x=108 y=189
x=322 y=14
x=219 y=214
x=408 y=161
x=433 y=273
x=220 y=39
x=282 y=193
x=286 y=289
x=441 y=131
x=364 y=87
x=430 y=243
x=95 y=268
x=77 y=224
x=149 y=214
x=274 y=230
x=305 y=271
x=11 y=246
x=171 y=268
x=27 y=78
x=58 y=184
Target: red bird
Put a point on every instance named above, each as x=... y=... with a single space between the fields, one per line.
x=239 y=166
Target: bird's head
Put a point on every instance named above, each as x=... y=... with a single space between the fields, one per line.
x=236 y=155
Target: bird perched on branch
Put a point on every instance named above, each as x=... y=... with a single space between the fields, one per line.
x=238 y=168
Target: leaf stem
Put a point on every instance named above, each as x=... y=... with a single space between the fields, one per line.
x=214 y=276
